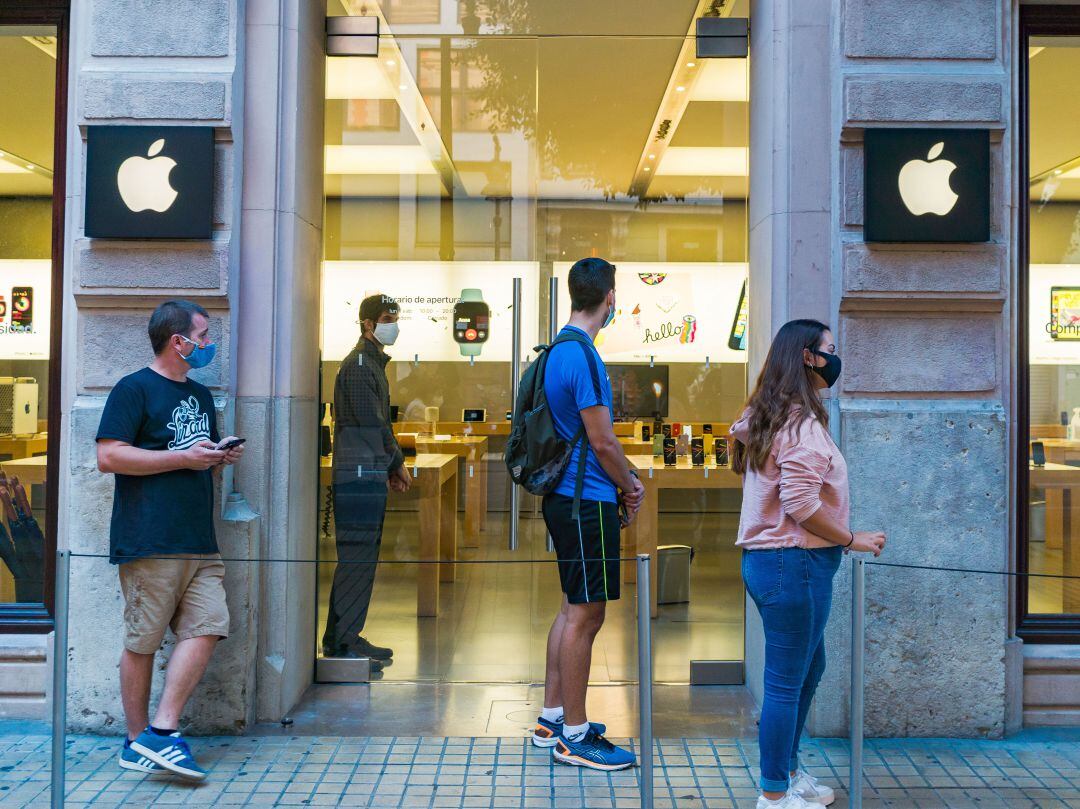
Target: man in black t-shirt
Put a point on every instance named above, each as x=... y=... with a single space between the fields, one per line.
x=158 y=436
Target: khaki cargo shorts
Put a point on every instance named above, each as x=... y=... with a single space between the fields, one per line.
x=186 y=594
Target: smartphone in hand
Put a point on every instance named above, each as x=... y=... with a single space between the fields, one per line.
x=225 y=446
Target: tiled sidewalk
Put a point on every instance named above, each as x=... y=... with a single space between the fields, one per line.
x=509 y=772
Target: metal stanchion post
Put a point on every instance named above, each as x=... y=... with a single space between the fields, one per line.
x=645 y=680
x=59 y=683
x=858 y=678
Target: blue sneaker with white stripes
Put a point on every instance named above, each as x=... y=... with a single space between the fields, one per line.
x=546 y=733
x=170 y=752
x=593 y=751
x=130 y=760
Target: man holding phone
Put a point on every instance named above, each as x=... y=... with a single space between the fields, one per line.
x=159 y=438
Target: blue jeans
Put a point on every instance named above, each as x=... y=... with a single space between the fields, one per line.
x=792 y=588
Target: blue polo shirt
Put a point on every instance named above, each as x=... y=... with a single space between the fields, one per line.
x=575 y=378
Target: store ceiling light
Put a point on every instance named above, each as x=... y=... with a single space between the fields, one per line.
x=356 y=78
x=7 y=167
x=378 y=159
x=705 y=161
x=723 y=80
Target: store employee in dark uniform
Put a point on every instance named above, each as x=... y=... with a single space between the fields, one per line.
x=367 y=463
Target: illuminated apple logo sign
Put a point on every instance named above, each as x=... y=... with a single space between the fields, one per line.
x=149 y=182
x=144 y=181
x=926 y=185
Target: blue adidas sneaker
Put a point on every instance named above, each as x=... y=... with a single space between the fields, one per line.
x=593 y=751
x=170 y=752
x=546 y=734
x=130 y=760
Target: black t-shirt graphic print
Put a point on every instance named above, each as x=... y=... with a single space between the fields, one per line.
x=173 y=512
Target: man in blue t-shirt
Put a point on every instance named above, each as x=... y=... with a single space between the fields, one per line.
x=159 y=438
x=579 y=395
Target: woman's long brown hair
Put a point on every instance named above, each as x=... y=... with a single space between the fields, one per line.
x=783 y=383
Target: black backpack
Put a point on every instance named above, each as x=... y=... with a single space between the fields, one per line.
x=535 y=455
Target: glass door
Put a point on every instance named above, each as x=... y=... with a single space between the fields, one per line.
x=503 y=144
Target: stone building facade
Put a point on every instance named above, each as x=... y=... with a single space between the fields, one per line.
x=925 y=412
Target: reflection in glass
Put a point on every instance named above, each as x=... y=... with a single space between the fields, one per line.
x=1053 y=337
x=27 y=98
x=457 y=162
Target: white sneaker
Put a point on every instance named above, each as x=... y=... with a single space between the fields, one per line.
x=811 y=789
x=793 y=800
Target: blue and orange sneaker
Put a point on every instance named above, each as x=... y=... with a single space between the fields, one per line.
x=593 y=751
x=546 y=734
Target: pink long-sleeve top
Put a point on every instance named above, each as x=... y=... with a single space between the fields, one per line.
x=804 y=472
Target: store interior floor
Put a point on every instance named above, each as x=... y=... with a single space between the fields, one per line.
x=493 y=621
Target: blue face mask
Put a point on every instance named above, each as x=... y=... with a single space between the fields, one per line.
x=610 y=317
x=200 y=356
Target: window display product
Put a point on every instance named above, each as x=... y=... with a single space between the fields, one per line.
x=474 y=414
x=1074 y=425
x=472 y=322
x=646 y=433
x=737 y=338
x=18 y=405
x=697 y=451
x=706 y=429
x=665 y=430
x=670 y=455
x=721 y=448
x=638 y=391
x=1038 y=454
x=22 y=308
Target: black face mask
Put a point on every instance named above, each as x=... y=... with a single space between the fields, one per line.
x=830 y=371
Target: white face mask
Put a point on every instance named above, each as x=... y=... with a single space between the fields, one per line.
x=386 y=333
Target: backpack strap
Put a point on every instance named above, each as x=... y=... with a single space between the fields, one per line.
x=581 y=439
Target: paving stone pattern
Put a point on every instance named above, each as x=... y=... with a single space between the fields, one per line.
x=509 y=772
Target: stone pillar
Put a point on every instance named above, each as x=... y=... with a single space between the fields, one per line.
x=921 y=408
x=924 y=333
x=792 y=155
x=133 y=62
x=278 y=329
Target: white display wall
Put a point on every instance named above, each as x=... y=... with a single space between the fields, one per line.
x=427 y=292
x=1043 y=348
x=34 y=276
x=679 y=312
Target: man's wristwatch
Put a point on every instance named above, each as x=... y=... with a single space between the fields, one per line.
x=472 y=322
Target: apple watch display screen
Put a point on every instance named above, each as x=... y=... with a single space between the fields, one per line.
x=472 y=320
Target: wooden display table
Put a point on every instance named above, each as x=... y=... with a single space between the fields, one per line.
x=1062 y=480
x=27 y=470
x=1058 y=451
x=471 y=449
x=435 y=476
x=454 y=427
x=643 y=534
x=23 y=446
x=631 y=446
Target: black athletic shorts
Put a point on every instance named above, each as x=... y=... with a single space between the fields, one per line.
x=587 y=548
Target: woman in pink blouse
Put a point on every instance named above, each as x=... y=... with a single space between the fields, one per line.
x=793 y=531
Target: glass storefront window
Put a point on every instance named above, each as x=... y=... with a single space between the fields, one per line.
x=28 y=57
x=522 y=146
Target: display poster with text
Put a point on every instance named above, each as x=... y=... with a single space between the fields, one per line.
x=1054 y=314
x=681 y=312
x=25 y=308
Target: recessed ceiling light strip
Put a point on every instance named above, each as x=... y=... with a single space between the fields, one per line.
x=16 y=164
x=676 y=98
x=412 y=105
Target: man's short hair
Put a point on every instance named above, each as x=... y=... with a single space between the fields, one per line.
x=590 y=280
x=172 y=317
x=375 y=306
